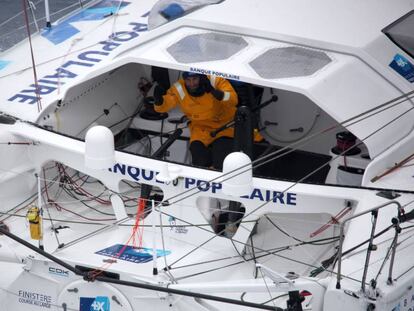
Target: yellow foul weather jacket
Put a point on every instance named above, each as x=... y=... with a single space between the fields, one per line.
x=205 y=112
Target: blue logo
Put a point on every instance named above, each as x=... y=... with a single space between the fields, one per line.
x=131 y=254
x=64 y=30
x=99 y=303
x=403 y=66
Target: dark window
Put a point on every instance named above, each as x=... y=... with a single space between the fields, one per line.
x=401 y=32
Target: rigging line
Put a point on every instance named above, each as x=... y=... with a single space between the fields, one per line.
x=394 y=168
x=267 y=287
x=246 y=245
x=381 y=258
x=253 y=258
x=88 y=206
x=205 y=262
x=84 y=217
x=32 y=8
x=98 y=117
x=281 y=230
x=301 y=241
x=26 y=18
x=253 y=254
x=237 y=251
x=264 y=255
x=409 y=269
x=212 y=270
x=288 y=149
x=167 y=267
x=80 y=191
x=47 y=61
x=387 y=256
x=32 y=197
x=383 y=242
x=332 y=260
x=73 y=43
x=277 y=297
x=47 y=208
x=115 y=15
x=59 y=220
x=93 y=233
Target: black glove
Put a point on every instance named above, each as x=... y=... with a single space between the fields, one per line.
x=206 y=84
x=208 y=88
x=158 y=93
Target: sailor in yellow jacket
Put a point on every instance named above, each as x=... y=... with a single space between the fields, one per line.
x=209 y=102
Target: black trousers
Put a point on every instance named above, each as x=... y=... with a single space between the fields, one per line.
x=212 y=155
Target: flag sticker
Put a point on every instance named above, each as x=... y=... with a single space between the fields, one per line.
x=403 y=66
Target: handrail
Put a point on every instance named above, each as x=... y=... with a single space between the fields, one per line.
x=374 y=212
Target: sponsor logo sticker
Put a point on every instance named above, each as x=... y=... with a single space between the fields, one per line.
x=99 y=303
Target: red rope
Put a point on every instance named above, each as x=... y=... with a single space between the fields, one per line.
x=26 y=17
x=334 y=220
x=137 y=233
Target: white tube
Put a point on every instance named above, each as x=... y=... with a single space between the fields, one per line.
x=47 y=14
x=154 y=243
x=39 y=203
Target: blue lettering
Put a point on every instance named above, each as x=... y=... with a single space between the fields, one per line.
x=23 y=98
x=40 y=89
x=86 y=61
x=109 y=45
x=150 y=177
x=61 y=73
x=133 y=172
x=138 y=27
x=256 y=194
x=123 y=36
x=291 y=198
x=189 y=182
x=215 y=186
x=146 y=14
x=75 y=63
x=203 y=185
x=85 y=56
x=119 y=167
x=278 y=196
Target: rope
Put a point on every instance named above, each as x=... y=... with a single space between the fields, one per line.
x=267 y=288
x=334 y=220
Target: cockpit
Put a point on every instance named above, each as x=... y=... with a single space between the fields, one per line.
x=284 y=132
